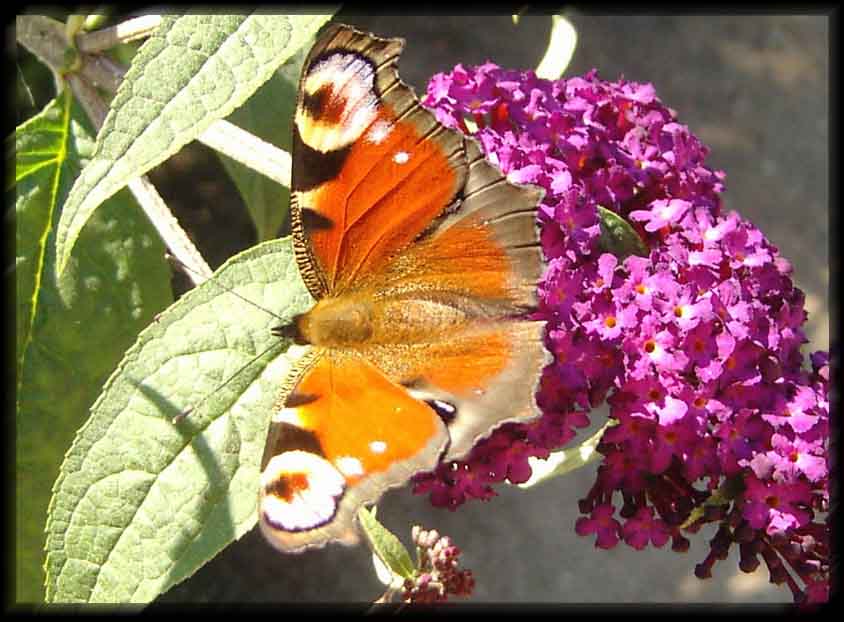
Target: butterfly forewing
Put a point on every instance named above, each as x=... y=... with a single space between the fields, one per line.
x=370 y=170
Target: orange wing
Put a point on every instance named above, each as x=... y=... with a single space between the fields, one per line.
x=345 y=434
x=371 y=168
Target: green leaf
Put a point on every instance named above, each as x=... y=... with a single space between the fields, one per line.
x=268 y=115
x=560 y=49
x=724 y=495
x=619 y=237
x=70 y=331
x=194 y=70
x=147 y=495
x=567 y=460
x=385 y=545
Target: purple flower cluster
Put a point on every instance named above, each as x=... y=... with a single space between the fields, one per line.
x=695 y=347
x=438 y=574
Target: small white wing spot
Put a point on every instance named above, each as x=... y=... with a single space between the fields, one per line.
x=401 y=157
x=379 y=131
x=378 y=447
x=349 y=465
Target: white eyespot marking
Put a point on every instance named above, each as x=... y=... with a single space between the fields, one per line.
x=299 y=491
x=343 y=102
x=288 y=415
x=401 y=157
x=378 y=447
x=349 y=465
x=378 y=132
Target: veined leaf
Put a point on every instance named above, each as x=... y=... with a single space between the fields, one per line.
x=194 y=70
x=72 y=330
x=146 y=496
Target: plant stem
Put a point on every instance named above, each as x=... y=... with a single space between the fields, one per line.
x=248 y=149
x=154 y=207
x=130 y=30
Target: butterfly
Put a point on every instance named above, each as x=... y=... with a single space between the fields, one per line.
x=423 y=260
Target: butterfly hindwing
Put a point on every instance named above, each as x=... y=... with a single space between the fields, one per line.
x=343 y=435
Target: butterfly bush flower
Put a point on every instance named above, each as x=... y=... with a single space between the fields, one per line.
x=695 y=346
x=438 y=574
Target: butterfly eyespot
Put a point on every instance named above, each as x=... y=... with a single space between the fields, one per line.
x=322 y=105
x=338 y=101
x=286 y=485
x=300 y=491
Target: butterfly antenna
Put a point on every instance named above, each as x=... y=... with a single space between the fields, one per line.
x=186 y=268
x=187 y=411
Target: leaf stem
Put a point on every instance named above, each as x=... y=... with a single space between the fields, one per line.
x=560 y=49
x=168 y=228
x=101 y=72
x=154 y=207
x=249 y=150
x=130 y=30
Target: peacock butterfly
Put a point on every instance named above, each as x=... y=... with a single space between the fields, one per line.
x=423 y=260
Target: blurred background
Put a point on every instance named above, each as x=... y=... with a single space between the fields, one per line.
x=755 y=89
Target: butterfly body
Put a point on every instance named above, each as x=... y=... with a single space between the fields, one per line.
x=423 y=260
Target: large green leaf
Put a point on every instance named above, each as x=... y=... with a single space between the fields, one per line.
x=268 y=115
x=194 y=70
x=70 y=331
x=146 y=496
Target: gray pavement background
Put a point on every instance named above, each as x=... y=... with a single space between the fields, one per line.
x=756 y=90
